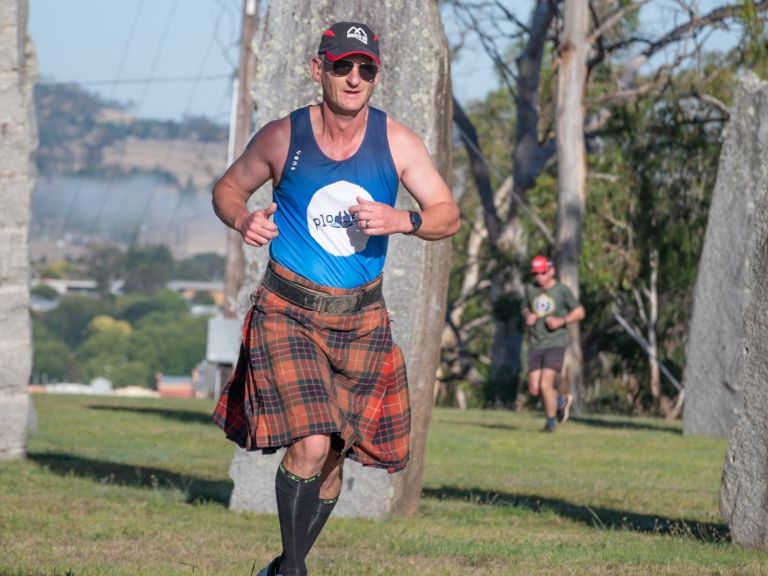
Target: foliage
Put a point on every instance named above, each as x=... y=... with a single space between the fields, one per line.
x=45 y=292
x=108 y=325
x=653 y=141
x=133 y=307
x=605 y=496
x=105 y=265
x=52 y=358
x=126 y=340
x=206 y=266
x=57 y=269
x=147 y=269
x=169 y=343
x=69 y=321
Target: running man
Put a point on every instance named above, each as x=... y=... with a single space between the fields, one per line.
x=318 y=372
x=550 y=306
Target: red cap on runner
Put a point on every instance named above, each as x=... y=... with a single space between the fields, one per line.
x=540 y=264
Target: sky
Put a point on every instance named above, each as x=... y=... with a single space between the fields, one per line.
x=105 y=44
x=189 y=49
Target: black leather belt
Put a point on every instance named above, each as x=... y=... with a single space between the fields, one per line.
x=320 y=301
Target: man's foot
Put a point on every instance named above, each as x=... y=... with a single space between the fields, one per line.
x=271 y=568
x=564 y=407
x=548 y=427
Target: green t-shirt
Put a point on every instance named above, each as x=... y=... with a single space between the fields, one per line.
x=557 y=301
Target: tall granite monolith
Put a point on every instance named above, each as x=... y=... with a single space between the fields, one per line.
x=713 y=394
x=744 y=488
x=414 y=89
x=18 y=137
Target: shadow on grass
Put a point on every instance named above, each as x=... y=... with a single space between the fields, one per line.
x=596 y=517
x=623 y=423
x=194 y=489
x=186 y=416
x=479 y=424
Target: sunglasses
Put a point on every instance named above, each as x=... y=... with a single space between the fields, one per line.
x=342 y=67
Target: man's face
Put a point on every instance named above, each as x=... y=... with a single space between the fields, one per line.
x=544 y=277
x=346 y=86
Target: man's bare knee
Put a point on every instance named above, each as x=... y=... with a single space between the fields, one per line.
x=306 y=457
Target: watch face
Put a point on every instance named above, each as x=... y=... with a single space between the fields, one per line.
x=415 y=220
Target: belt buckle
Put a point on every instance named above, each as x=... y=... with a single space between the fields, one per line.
x=343 y=304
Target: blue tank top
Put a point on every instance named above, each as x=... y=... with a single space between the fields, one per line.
x=318 y=238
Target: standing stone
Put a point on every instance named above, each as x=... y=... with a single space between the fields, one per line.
x=17 y=142
x=744 y=489
x=713 y=394
x=415 y=90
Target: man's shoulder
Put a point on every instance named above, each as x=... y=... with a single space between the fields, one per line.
x=399 y=132
x=565 y=290
x=274 y=135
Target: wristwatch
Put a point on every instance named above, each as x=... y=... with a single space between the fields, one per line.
x=415 y=221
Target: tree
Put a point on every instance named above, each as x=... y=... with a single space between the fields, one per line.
x=104 y=264
x=133 y=307
x=69 y=321
x=618 y=49
x=147 y=269
x=52 y=359
x=573 y=51
x=168 y=343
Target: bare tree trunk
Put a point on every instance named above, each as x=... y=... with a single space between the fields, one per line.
x=453 y=339
x=572 y=170
x=653 y=317
x=528 y=159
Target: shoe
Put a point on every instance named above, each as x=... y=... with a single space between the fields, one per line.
x=548 y=428
x=271 y=568
x=564 y=410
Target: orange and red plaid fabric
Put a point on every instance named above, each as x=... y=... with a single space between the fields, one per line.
x=302 y=372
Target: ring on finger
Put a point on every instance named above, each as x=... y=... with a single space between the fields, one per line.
x=367 y=224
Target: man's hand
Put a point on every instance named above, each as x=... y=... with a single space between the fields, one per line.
x=530 y=318
x=256 y=228
x=378 y=219
x=554 y=322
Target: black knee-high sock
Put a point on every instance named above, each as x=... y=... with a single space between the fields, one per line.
x=319 y=518
x=297 y=500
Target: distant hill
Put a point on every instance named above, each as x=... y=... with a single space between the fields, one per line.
x=82 y=134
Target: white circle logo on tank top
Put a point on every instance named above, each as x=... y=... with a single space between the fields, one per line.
x=330 y=222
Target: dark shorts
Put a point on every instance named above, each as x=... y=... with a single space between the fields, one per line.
x=302 y=373
x=551 y=358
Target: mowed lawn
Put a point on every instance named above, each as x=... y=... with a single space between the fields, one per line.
x=140 y=487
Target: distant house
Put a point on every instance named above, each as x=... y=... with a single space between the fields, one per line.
x=174 y=386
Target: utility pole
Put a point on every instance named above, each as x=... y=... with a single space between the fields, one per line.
x=240 y=131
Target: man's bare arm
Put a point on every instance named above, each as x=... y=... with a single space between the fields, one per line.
x=439 y=213
x=262 y=159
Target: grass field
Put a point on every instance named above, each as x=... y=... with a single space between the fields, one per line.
x=140 y=487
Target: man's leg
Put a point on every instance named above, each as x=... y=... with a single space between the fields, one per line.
x=534 y=382
x=549 y=396
x=297 y=486
x=330 y=488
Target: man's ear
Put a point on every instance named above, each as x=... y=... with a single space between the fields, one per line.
x=316 y=68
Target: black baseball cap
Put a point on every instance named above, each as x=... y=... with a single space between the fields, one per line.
x=347 y=38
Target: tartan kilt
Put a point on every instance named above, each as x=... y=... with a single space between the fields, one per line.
x=302 y=372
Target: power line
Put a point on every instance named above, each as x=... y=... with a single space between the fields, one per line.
x=127 y=47
x=170 y=148
x=155 y=60
x=114 y=81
